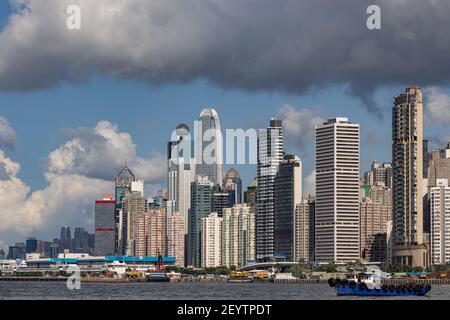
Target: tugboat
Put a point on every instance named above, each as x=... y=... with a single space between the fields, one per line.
x=368 y=286
x=159 y=273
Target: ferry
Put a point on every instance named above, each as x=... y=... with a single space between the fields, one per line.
x=240 y=277
x=368 y=285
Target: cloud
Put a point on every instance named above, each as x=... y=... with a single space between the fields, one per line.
x=375 y=138
x=437 y=107
x=289 y=45
x=101 y=152
x=299 y=125
x=7 y=135
x=309 y=184
x=72 y=182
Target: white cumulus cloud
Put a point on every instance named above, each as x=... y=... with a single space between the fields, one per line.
x=299 y=125
x=73 y=183
x=7 y=134
x=437 y=107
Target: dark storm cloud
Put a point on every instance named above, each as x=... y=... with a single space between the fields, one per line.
x=279 y=45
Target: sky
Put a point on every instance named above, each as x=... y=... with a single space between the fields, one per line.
x=75 y=105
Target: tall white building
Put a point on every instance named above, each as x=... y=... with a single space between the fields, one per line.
x=337 y=191
x=211 y=237
x=238 y=235
x=180 y=173
x=270 y=156
x=440 y=222
x=208 y=146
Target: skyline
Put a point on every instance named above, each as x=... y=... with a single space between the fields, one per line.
x=66 y=136
x=54 y=116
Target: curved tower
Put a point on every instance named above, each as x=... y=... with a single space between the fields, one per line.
x=208 y=146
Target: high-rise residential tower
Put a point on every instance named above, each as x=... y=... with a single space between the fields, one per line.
x=407 y=163
x=440 y=222
x=270 y=155
x=134 y=208
x=208 y=146
x=201 y=194
x=304 y=233
x=238 y=236
x=287 y=195
x=211 y=241
x=337 y=191
x=176 y=237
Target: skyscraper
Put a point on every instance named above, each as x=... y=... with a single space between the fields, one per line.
x=66 y=238
x=211 y=241
x=232 y=184
x=407 y=163
x=304 y=230
x=208 y=146
x=176 y=237
x=440 y=222
x=157 y=232
x=287 y=195
x=220 y=201
x=123 y=184
x=238 y=236
x=374 y=216
x=270 y=155
x=105 y=227
x=31 y=245
x=201 y=194
x=180 y=173
x=250 y=193
x=337 y=191
x=134 y=206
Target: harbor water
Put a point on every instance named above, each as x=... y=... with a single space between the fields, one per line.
x=187 y=291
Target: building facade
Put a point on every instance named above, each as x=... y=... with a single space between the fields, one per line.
x=232 y=184
x=374 y=218
x=270 y=155
x=157 y=232
x=440 y=222
x=201 y=195
x=238 y=236
x=176 y=237
x=211 y=241
x=134 y=207
x=287 y=195
x=105 y=227
x=337 y=191
x=407 y=163
x=181 y=172
x=208 y=146
x=304 y=233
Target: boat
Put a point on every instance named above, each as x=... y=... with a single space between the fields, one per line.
x=239 y=277
x=369 y=286
x=159 y=273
